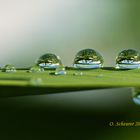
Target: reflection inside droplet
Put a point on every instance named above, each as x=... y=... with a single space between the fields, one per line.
x=88 y=59
x=49 y=61
x=128 y=59
x=9 y=68
x=136 y=95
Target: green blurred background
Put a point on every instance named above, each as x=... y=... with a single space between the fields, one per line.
x=30 y=28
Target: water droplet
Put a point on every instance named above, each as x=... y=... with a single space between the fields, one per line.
x=99 y=76
x=88 y=59
x=78 y=73
x=60 y=71
x=49 y=61
x=128 y=59
x=9 y=68
x=136 y=95
x=35 y=69
x=35 y=81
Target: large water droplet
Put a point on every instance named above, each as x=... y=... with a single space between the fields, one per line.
x=128 y=59
x=88 y=59
x=36 y=69
x=136 y=95
x=60 y=71
x=49 y=61
x=9 y=68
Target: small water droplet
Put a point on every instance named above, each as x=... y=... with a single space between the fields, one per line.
x=60 y=71
x=9 y=68
x=100 y=76
x=49 y=61
x=136 y=95
x=78 y=73
x=36 y=69
x=88 y=59
x=35 y=82
x=128 y=59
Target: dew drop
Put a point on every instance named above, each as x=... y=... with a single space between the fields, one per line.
x=99 y=76
x=88 y=59
x=60 y=71
x=36 y=69
x=136 y=95
x=78 y=73
x=128 y=59
x=9 y=68
x=49 y=61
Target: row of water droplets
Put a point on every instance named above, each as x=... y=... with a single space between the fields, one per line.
x=84 y=59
